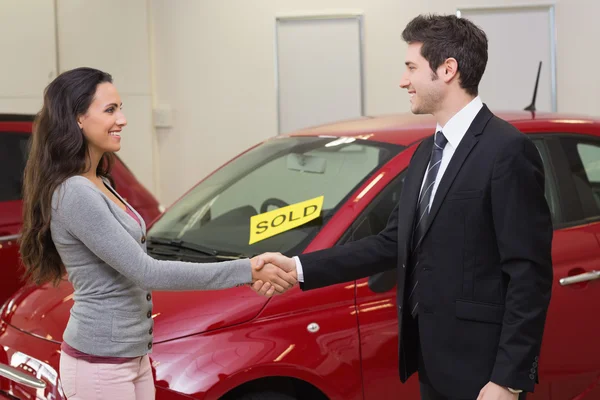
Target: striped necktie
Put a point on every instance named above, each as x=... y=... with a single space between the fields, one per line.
x=422 y=214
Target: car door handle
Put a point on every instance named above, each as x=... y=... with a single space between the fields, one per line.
x=21 y=377
x=587 y=276
x=8 y=238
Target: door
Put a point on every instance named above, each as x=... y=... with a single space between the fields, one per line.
x=376 y=300
x=570 y=358
x=13 y=151
x=376 y=308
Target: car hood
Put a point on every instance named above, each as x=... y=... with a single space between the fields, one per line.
x=44 y=311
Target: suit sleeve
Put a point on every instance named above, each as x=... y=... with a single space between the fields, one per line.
x=365 y=257
x=523 y=227
x=353 y=260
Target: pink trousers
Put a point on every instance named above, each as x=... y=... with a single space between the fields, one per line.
x=95 y=381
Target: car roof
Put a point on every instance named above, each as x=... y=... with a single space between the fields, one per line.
x=407 y=128
x=16 y=117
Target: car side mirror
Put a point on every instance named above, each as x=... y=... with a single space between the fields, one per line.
x=383 y=281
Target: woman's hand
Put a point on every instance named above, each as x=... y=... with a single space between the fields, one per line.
x=271 y=276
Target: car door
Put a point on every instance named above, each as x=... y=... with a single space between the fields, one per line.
x=376 y=301
x=13 y=150
x=376 y=308
x=570 y=357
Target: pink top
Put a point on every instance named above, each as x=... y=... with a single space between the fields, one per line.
x=99 y=359
x=133 y=215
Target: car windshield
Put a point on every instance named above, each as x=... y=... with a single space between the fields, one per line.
x=275 y=197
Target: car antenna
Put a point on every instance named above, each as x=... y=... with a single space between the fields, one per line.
x=531 y=107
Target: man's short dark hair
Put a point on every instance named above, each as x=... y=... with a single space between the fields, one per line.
x=445 y=36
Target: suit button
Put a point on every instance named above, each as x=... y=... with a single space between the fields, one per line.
x=537 y=358
x=149 y=345
x=531 y=376
x=535 y=364
x=148 y=297
x=149 y=315
x=144 y=239
x=403 y=266
x=150 y=331
x=532 y=370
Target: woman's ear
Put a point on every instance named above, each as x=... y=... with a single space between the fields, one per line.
x=80 y=121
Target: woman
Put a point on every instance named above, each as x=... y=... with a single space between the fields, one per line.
x=75 y=222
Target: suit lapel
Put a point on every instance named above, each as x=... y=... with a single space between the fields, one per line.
x=467 y=144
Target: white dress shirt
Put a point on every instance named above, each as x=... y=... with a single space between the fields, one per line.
x=454 y=131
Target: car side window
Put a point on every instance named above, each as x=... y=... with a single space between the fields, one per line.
x=372 y=221
x=13 y=156
x=375 y=217
x=550 y=184
x=584 y=167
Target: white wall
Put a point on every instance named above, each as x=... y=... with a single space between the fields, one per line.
x=28 y=61
x=578 y=86
x=111 y=35
x=215 y=66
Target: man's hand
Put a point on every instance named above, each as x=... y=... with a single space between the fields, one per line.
x=276 y=278
x=492 y=391
x=274 y=259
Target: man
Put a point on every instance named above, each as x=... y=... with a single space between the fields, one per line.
x=471 y=236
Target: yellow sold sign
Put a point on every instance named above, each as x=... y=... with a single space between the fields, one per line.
x=271 y=223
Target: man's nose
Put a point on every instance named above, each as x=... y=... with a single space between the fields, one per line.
x=404 y=82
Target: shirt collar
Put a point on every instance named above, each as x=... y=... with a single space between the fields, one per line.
x=457 y=126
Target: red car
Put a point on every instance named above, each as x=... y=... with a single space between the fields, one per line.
x=15 y=131
x=303 y=192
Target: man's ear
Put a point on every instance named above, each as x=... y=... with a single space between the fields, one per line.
x=449 y=69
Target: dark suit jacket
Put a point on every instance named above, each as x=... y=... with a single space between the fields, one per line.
x=487 y=271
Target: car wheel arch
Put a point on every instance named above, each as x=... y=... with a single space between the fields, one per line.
x=271 y=378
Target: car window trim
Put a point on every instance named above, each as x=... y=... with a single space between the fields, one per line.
x=550 y=172
x=571 y=190
x=568 y=198
x=561 y=190
x=363 y=214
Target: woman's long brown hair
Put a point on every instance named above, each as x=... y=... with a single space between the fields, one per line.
x=58 y=150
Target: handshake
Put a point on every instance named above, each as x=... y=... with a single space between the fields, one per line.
x=273 y=273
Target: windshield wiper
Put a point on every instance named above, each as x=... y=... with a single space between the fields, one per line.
x=195 y=247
